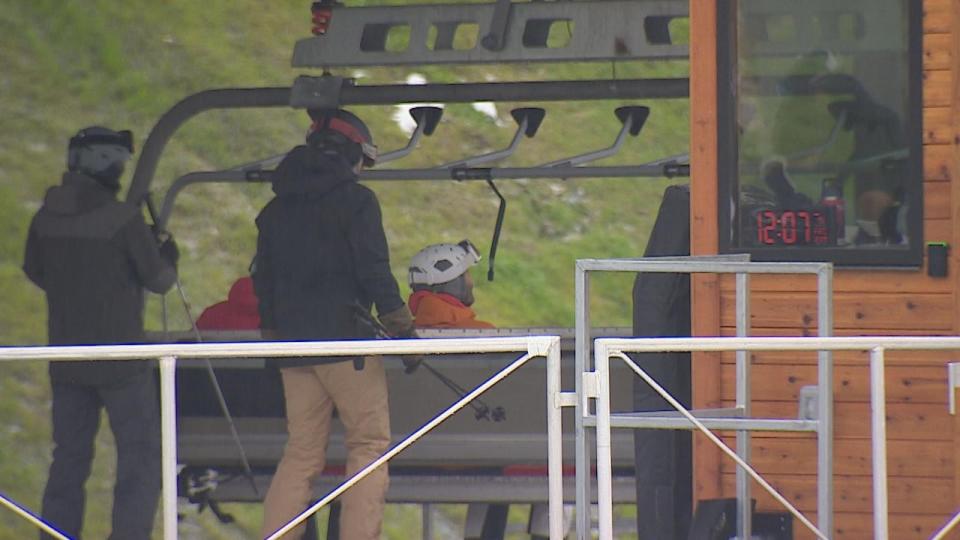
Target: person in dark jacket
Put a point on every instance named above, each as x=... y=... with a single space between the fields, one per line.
x=322 y=255
x=93 y=255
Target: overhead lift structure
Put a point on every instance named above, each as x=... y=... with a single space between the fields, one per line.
x=418 y=35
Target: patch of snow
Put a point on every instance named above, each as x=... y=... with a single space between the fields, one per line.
x=489 y=109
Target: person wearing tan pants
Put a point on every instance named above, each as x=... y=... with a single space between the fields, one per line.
x=360 y=397
x=322 y=264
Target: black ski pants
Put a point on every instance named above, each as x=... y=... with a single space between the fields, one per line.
x=134 y=413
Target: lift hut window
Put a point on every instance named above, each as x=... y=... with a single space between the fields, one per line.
x=820 y=110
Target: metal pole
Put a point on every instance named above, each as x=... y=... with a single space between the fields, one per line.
x=604 y=467
x=168 y=438
x=554 y=444
x=878 y=433
x=825 y=402
x=427 y=517
x=744 y=505
x=581 y=362
x=947 y=528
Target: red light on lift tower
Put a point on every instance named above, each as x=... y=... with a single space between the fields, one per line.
x=322 y=14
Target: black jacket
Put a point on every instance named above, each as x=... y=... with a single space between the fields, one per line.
x=321 y=251
x=93 y=255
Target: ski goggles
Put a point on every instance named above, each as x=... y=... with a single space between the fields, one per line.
x=369 y=150
x=117 y=138
x=470 y=250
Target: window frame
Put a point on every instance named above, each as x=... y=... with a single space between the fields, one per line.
x=910 y=257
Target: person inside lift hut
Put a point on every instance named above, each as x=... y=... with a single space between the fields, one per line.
x=442 y=287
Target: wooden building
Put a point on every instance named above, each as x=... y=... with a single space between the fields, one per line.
x=870 y=297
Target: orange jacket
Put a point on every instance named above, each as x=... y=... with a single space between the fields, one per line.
x=440 y=310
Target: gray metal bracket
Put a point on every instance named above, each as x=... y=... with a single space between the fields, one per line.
x=493 y=41
x=632 y=118
x=316 y=92
x=426 y=119
x=505 y=32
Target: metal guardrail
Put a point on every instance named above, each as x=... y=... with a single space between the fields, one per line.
x=168 y=354
x=606 y=348
x=741 y=266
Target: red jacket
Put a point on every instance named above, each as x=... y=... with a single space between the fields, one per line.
x=239 y=312
x=440 y=310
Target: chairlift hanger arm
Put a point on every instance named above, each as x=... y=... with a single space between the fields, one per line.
x=633 y=119
x=528 y=122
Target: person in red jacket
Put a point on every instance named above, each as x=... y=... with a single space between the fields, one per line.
x=238 y=312
x=442 y=287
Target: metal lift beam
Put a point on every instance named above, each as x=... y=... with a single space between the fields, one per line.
x=502 y=32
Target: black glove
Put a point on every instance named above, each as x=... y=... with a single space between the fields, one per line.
x=169 y=251
x=410 y=361
x=398 y=323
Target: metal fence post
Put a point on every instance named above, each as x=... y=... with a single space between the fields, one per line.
x=604 y=459
x=554 y=444
x=582 y=365
x=878 y=434
x=744 y=503
x=825 y=401
x=168 y=438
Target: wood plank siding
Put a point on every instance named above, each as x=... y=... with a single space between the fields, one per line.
x=922 y=451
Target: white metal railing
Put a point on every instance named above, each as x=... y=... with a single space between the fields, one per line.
x=167 y=354
x=605 y=348
x=739 y=418
x=31 y=517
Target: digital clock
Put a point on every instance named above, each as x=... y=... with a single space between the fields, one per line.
x=793 y=227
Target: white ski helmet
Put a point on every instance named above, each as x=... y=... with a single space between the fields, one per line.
x=441 y=263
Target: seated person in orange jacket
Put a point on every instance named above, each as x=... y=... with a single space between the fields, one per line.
x=442 y=287
x=238 y=312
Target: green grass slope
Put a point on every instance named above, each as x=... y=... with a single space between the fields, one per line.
x=64 y=65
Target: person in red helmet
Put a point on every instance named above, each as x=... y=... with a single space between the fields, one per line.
x=322 y=254
x=443 y=288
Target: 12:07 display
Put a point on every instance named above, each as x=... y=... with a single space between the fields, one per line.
x=809 y=227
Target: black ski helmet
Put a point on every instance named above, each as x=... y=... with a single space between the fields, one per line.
x=341 y=128
x=100 y=153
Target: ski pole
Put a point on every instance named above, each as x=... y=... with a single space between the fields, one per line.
x=218 y=391
x=481 y=409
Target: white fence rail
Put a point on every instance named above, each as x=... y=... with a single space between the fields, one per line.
x=606 y=348
x=529 y=347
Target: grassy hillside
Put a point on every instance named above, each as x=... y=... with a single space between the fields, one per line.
x=122 y=64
